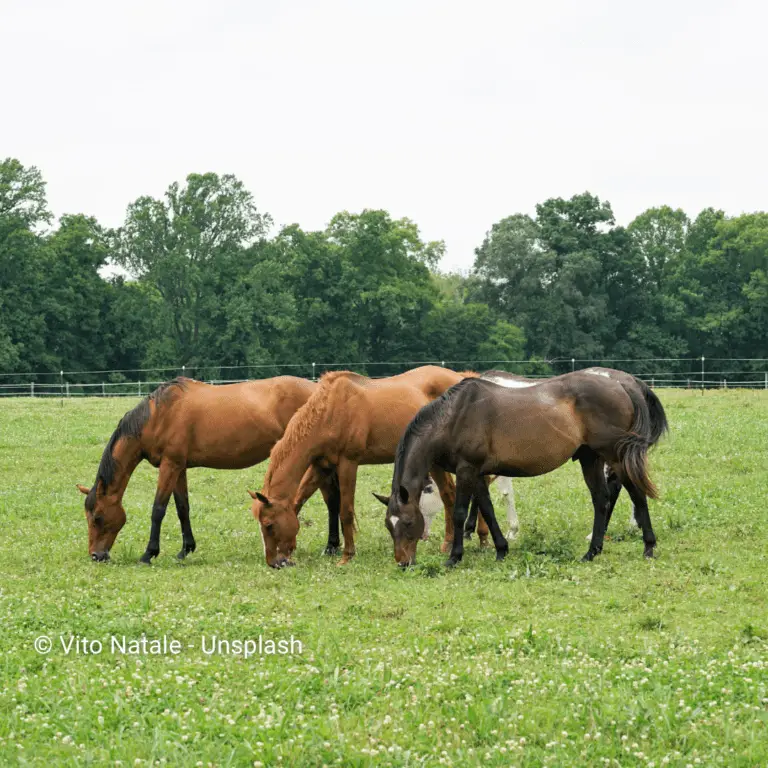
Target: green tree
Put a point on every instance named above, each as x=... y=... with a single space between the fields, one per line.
x=189 y=246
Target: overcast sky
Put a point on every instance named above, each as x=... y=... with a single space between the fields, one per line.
x=454 y=114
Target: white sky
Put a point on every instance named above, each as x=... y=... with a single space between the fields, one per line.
x=454 y=114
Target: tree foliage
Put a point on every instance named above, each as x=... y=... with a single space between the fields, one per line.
x=206 y=284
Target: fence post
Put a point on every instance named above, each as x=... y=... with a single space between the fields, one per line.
x=442 y=363
x=313 y=372
x=689 y=383
x=702 y=374
x=573 y=364
x=67 y=389
x=653 y=382
x=31 y=388
x=61 y=386
x=183 y=370
x=103 y=389
x=725 y=383
x=139 y=387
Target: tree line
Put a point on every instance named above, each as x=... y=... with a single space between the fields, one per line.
x=209 y=285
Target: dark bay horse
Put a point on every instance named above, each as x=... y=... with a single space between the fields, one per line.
x=350 y=420
x=513 y=381
x=479 y=428
x=186 y=423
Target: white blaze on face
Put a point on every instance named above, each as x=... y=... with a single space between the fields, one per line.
x=394 y=519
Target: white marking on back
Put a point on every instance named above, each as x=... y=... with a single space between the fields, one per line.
x=511 y=383
x=595 y=372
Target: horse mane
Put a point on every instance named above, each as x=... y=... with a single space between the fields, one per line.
x=130 y=426
x=307 y=417
x=425 y=419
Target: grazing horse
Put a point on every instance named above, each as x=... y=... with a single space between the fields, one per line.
x=478 y=428
x=186 y=423
x=350 y=420
x=504 y=379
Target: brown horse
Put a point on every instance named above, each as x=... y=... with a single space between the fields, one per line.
x=350 y=420
x=504 y=379
x=186 y=423
x=479 y=428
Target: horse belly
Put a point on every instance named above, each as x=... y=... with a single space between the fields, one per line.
x=536 y=446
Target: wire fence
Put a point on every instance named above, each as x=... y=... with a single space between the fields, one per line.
x=691 y=373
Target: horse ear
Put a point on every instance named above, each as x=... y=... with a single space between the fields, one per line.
x=85 y=491
x=383 y=499
x=263 y=499
x=403 y=492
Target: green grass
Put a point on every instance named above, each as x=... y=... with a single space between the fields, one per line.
x=537 y=660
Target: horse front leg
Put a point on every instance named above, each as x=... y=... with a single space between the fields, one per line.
x=329 y=487
x=466 y=479
x=166 y=482
x=347 y=471
x=181 y=500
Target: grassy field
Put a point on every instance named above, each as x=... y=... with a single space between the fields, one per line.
x=540 y=660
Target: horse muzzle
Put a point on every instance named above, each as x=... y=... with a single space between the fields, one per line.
x=282 y=562
x=100 y=557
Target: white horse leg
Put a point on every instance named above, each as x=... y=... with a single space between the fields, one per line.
x=505 y=487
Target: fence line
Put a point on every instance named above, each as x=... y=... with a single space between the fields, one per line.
x=681 y=372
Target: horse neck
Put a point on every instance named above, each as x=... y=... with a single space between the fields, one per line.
x=414 y=465
x=127 y=455
x=284 y=476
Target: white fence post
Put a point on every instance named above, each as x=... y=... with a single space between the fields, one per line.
x=103 y=389
x=31 y=388
x=67 y=389
x=139 y=388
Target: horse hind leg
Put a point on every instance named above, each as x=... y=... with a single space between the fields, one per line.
x=508 y=494
x=181 y=500
x=592 y=468
x=643 y=516
x=614 y=489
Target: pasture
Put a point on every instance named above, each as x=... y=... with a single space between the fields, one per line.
x=539 y=660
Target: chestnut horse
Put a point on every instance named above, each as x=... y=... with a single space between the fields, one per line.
x=478 y=428
x=186 y=423
x=350 y=420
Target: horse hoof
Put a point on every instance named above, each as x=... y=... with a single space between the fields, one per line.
x=344 y=560
x=468 y=535
x=452 y=562
x=500 y=554
x=446 y=546
x=331 y=550
x=589 y=557
x=484 y=542
x=649 y=553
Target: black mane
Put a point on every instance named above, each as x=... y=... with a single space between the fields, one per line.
x=423 y=420
x=131 y=426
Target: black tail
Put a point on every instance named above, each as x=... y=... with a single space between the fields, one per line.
x=647 y=428
x=659 y=424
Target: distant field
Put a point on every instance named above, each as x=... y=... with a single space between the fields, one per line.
x=540 y=660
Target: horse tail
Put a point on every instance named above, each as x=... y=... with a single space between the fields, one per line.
x=633 y=448
x=659 y=424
